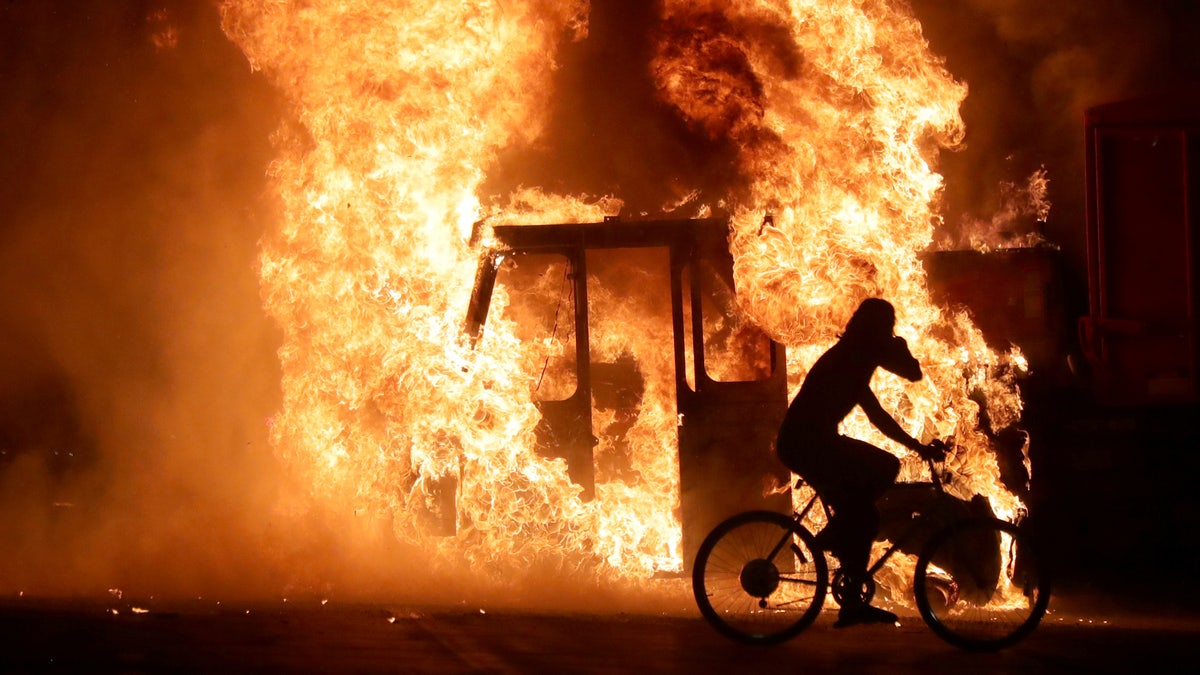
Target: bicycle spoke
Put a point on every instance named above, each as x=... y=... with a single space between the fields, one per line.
x=979 y=585
x=749 y=582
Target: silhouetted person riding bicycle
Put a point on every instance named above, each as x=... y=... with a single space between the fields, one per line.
x=849 y=474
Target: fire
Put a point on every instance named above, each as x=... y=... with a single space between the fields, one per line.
x=1009 y=225
x=836 y=108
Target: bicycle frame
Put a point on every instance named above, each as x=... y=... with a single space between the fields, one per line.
x=907 y=534
x=977 y=580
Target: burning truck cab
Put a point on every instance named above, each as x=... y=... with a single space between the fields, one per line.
x=643 y=351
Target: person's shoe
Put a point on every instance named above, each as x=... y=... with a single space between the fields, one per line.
x=853 y=615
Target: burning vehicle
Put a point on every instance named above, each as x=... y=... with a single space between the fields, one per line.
x=727 y=377
x=585 y=420
x=593 y=424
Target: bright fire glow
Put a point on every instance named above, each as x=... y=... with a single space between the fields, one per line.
x=837 y=108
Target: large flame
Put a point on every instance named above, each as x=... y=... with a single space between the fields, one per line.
x=837 y=110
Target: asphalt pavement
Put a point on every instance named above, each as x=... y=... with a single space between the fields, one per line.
x=107 y=635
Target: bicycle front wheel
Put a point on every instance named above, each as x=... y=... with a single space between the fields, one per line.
x=758 y=578
x=980 y=586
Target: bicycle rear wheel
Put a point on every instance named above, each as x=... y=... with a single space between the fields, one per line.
x=980 y=586
x=758 y=577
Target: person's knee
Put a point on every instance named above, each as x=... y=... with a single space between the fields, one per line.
x=889 y=467
x=883 y=475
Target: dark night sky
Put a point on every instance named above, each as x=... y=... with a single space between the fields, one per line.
x=135 y=360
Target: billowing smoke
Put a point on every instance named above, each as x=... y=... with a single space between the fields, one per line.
x=605 y=97
x=1033 y=68
x=137 y=366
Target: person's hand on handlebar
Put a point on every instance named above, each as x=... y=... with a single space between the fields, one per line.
x=935 y=451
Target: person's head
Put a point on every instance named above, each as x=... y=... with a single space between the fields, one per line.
x=872 y=323
x=870 y=331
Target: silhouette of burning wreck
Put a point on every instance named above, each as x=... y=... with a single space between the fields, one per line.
x=674 y=279
x=587 y=285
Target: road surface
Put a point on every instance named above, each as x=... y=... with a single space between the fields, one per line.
x=204 y=636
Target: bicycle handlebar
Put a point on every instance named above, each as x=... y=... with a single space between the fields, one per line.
x=944 y=449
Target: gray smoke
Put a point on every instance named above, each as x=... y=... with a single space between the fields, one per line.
x=1033 y=68
x=137 y=367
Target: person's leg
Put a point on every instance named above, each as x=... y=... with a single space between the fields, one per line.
x=870 y=471
x=816 y=461
x=855 y=525
x=850 y=476
x=866 y=472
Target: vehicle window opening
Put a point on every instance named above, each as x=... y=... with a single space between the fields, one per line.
x=540 y=301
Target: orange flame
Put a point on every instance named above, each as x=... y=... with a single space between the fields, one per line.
x=837 y=109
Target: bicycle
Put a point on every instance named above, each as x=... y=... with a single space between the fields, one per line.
x=760 y=577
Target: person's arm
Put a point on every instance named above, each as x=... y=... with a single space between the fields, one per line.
x=896 y=358
x=887 y=424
